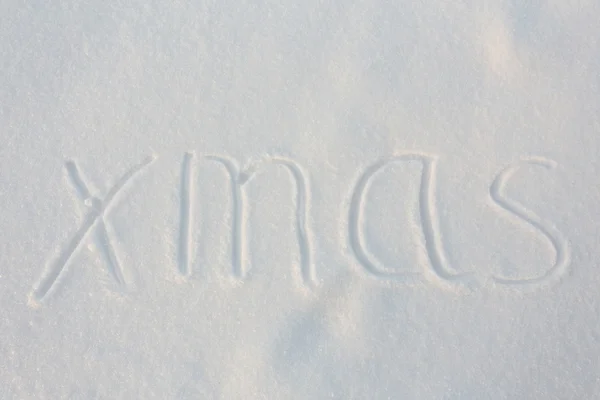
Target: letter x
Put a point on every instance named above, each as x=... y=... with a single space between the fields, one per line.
x=94 y=219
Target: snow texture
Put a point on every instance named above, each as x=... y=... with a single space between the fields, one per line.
x=300 y=200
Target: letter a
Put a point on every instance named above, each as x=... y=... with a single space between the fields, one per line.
x=429 y=224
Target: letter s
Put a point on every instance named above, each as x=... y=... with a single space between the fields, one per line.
x=556 y=238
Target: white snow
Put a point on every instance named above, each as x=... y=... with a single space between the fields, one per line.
x=300 y=200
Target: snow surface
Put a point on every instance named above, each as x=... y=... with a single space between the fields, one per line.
x=300 y=200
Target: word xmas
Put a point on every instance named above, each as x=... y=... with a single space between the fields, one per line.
x=439 y=269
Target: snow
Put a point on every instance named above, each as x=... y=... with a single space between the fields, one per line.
x=310 y=200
